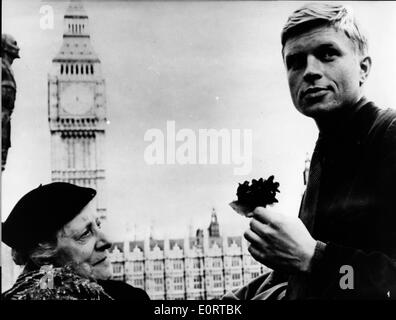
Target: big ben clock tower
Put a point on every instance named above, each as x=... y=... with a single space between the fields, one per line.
x=76 y=108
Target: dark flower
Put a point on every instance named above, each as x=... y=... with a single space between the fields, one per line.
x=258 y=193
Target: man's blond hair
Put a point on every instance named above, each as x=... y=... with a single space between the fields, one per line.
x=313 y=15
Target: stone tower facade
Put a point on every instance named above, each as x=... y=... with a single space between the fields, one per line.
x=77 y=108
x=214 y=228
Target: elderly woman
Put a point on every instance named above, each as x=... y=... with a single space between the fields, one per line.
x=55 y=233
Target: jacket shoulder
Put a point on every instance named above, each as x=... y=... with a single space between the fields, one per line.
x=383 y=123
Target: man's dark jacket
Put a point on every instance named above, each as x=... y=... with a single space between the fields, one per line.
x=355 y=215
x=356 y=210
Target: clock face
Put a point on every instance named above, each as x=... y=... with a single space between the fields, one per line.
x=77 y=98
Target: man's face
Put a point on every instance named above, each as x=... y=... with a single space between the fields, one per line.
x=83 y=244
x=324 y=71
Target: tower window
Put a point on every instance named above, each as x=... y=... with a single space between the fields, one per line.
x=61 y=69
x=72 y=28
x=67 y=69
x=86 y=69
x=76 y=69
x=69 y=27
x=92 y=69
x=71 y=69
x=79 y=28
x=82 y=69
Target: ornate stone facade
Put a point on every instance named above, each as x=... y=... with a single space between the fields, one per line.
x=193 y=268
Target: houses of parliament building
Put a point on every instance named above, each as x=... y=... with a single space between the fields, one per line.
x=202 y=267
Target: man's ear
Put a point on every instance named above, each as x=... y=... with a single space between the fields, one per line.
x=365 y=67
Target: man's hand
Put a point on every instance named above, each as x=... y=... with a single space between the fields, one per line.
x=280 y=242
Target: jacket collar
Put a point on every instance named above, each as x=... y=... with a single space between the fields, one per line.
x=352 y=126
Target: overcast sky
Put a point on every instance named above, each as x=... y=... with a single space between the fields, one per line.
x=204 y=65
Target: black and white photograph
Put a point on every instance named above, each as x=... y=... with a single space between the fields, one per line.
x=198 y=150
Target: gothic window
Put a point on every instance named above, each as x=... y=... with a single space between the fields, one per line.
x=117 y=268
x=235 y=261
x=86 y=69
x=138 y=283
x=236 y=276
x=158 y=284
x=216 y=277
x=71 y=69
x=72 y=28
x=61 y=69
x=177 y=265
x=77 y=69
x=79 y=28
x=86 y=152
x=82 y=69
x=69 y=154
x=137 y=266
x=92 y=69
x=197 y=282
x=196 y=263
x=67 y=69
x=216 y=262
x=217 y=281
x=178 y=283
x=157 y=265
x=73 y=154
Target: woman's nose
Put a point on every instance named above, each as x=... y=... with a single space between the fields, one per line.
x=103 y=241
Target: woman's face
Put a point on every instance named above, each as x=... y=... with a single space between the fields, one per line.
x=83 y=244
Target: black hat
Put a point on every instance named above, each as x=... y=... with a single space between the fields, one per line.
x=42 y=212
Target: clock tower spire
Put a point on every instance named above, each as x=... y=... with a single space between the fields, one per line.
x=77 y=108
